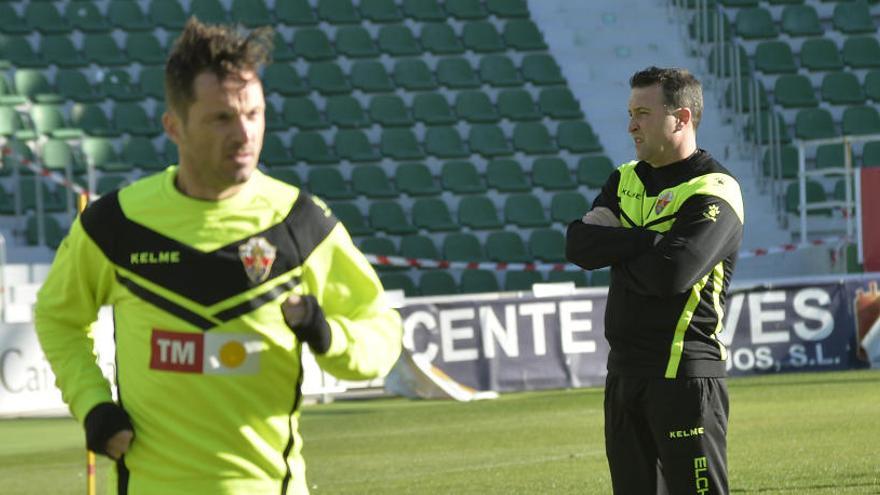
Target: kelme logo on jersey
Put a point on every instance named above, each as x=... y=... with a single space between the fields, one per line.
x=663 y=201
x=214 y=353
x=257 y=256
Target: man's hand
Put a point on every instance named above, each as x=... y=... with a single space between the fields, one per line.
x=306 y=318
x=601 y=216
x=119 y=443
x=108 y=430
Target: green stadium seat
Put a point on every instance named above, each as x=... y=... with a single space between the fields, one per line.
x=508 y=8
x=52 y=201
x=872 y=85
x=295 y=13
x=380 y=11
x=131 y=118
x=507 y=247
x=764 y=119
x=839 y=193
x=794 y=91
x=871 y=154
x=86 y=17
x=547 y=245
x=312 y=44
x=524 y=210
x=370 y=77
x=478 y=213
x=482 y=37
x=57 y=155
x=517 y=104
x=593 y=171
x=372 y=182
x=274 y=122
x=152 y=82
x=533 y=138
x=432 y=109
x=475 y=107
x=355 y=42
x=398 y=41
x=456 y=73
x=58 y=49
x=353 y=145
x=16 y=51
x=415 y=246
x=464 y=10
x=600 y=278
x=274 y=153
x=788 y=163
x=209 y=11
x=499 y=71
x=755 y=23
x=12 y=125
x=351 y=217
x=118 y=85
x=389 y=110
x=8 y=97
x=541 y=70
x=284 y=80
x=170 y=155
x=380 y=246
x=861 y=120
x=388 y=217
x=138 y=151
x=853 y=18
x=45 y=18
x=338 y=12
x=415 y=179
x=506 y=175
x=462 y=247
x=861 y=52
x=815 y=194
x=696 y=24
x=92 y=120
x=128 y=16
x=559 y=104
x=414 y=75
x=49 y=121
x=829 y=155
x=577 y=136
x=53 y=231
x=433 y=214
x=439 y=38
x=11 y=22
x=739 y=3
x=110 y=183
x=461 y=177
x=301 y=112
x=345 y=111
x=311 y=148
x=327 y=182
x=842 y=88
x=445 y=142
x=746 y=88
x=287 y=175
x=33 y=85
x=522 y=280
x=327 y=78
x=566 y=207
x=167 y=14
x=281 y=49
x=437 y=283
x=400 y=144
x=552 y=174
x=478 y=281
x=801 y=20
x=821 y=54
x=251 y=13
x=523 y=35
x=399 y=281
x=774 y=57
x=424 y=10
x=729 y=67
x=579 y=278
x=814 y=123
x=145 y=49
x=488 y=140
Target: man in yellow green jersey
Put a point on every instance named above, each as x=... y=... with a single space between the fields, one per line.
x=218 y=275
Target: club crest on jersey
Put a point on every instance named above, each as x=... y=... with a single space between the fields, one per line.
x=257 y=256
x=663 y=201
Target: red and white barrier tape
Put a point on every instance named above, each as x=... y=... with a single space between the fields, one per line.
x=44 y=172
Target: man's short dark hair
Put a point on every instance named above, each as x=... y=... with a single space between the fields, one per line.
x=680 y=88
x=220 y=49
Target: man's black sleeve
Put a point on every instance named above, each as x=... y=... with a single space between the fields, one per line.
x=593 y=246
x=706 y=230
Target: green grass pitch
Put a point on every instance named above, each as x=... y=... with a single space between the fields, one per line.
x=803 y=434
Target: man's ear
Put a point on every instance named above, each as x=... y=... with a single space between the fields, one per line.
x=683 y=116
x=172 y=124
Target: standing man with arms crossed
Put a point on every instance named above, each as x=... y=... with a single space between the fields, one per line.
x=218 y=275
x=670 y=226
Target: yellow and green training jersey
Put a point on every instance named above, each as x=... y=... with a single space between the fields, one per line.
x=205 y=365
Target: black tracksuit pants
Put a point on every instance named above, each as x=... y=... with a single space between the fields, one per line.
x=666 y=436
